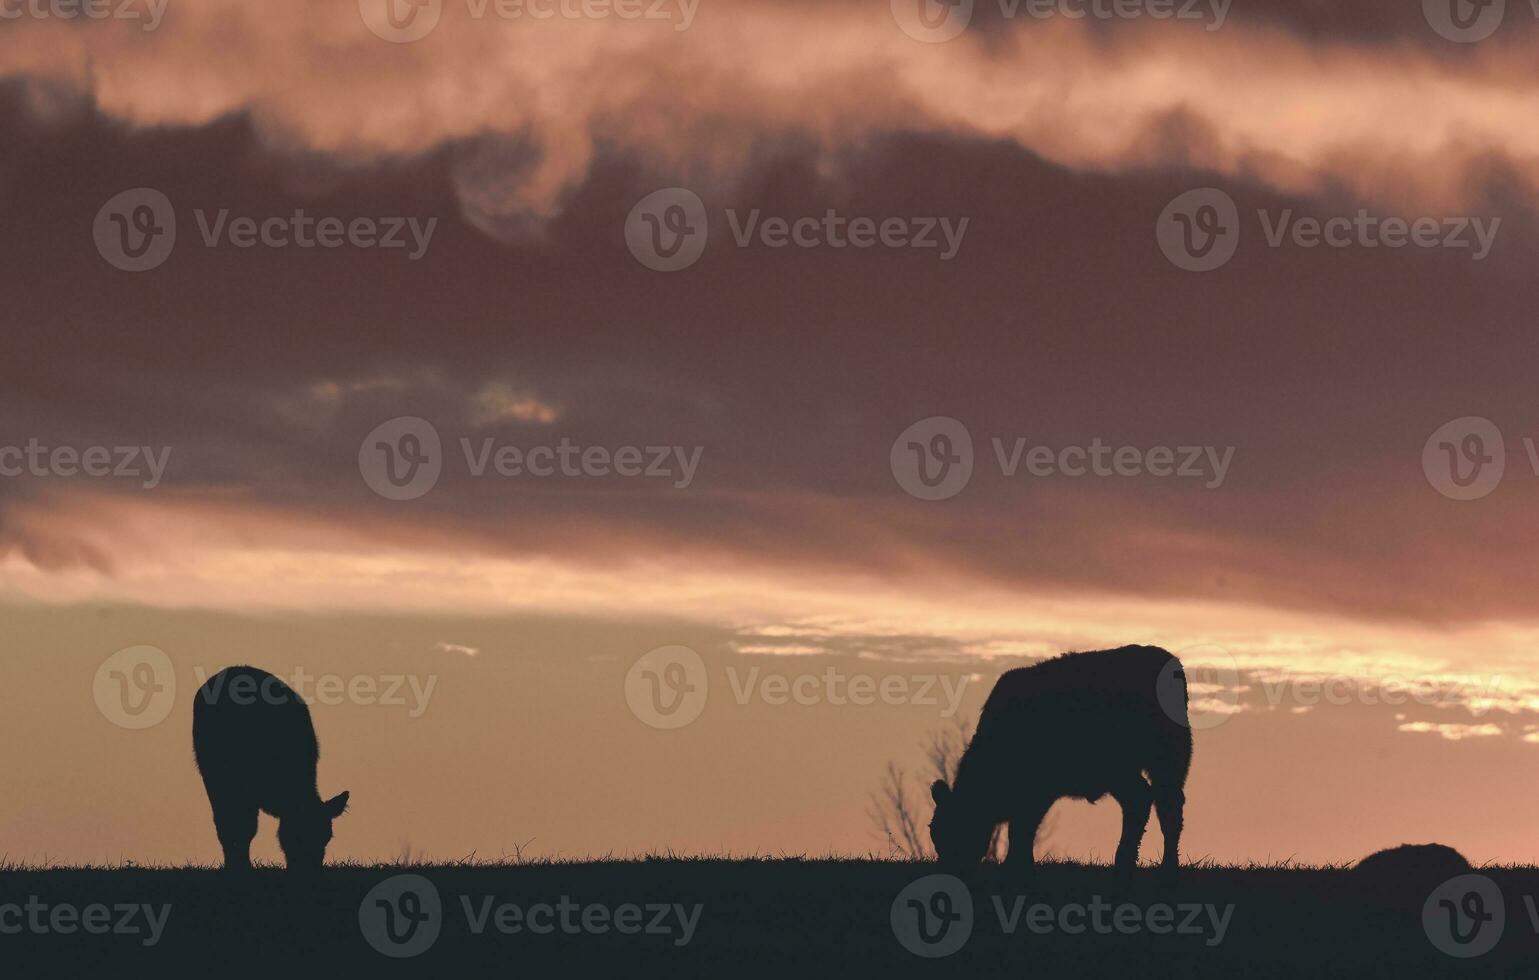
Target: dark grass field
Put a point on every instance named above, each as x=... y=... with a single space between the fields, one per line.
x=793 y=918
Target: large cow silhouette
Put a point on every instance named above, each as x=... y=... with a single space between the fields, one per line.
x=1081 y=725
x=256 y=750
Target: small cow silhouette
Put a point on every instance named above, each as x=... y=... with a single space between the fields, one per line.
x=1413 y=863
x=256 y=750
x=1079 y=725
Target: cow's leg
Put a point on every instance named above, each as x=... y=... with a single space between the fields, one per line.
x=1023 y=834
x=1135 y=797
x=1169 y=804
x=1167 y=777
x=236 y=824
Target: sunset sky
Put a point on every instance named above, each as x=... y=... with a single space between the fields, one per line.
x=775 y=381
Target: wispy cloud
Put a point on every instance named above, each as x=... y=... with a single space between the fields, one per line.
x=527 y=115
x=1454 y=732
x=500 y=401
x=175 y=551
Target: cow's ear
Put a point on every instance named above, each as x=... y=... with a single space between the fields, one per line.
x=335 y=806
x=939 y=791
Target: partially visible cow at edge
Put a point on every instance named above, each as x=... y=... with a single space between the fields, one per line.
x=1079 y=725
x=256 y=750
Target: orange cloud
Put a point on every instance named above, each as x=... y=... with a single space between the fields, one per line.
x=529 y=106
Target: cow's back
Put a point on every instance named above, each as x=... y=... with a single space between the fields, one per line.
x=1084 y=719
x=252 y=734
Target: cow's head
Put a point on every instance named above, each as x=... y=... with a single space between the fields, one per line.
x=959 y=833
x=304 y=834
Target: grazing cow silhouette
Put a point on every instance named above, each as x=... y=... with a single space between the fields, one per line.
x=1399 y=879
x=1079 y=725
x=1413 y=863
x=256 y=750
